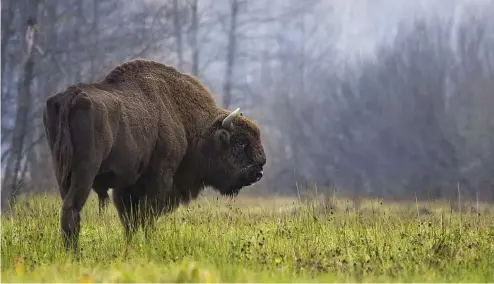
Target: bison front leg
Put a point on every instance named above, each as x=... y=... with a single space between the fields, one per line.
x=158 y=183
x=148 y=215
x=127 y=206
x=158 y=193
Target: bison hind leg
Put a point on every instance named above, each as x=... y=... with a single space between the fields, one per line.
x=85 y=164
x=103 y=200
x=101 y=184
x=74 y=201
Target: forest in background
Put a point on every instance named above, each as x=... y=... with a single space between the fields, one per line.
x=406 y=111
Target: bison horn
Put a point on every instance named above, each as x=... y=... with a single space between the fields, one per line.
x=227 y=122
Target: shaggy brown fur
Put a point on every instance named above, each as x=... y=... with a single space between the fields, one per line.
x=151 y=133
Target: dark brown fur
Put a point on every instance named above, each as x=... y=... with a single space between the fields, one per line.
x=151 y=133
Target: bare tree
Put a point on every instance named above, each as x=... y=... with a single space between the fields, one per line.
x=230 y=53
x=194 y=30
x=10 y=182
x=178 y=33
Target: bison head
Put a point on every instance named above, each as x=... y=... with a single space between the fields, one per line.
x=234 y=153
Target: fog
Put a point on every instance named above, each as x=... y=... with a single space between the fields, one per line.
x=383 y=98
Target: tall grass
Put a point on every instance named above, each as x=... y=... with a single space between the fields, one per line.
x=256 y=240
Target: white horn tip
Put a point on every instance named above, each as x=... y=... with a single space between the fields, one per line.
x=227 y=122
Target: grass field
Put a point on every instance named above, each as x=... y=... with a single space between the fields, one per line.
x=257 y=240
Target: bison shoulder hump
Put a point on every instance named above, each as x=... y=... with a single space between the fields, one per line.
x=138 y=68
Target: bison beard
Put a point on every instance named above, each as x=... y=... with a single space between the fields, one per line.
x=154 y=135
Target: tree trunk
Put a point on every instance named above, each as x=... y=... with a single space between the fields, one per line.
x=78 y=23
x=11 y=180
x=39 y=167
x=95 y=33
x=194 y=45
x=178 y=33
x=230 y=59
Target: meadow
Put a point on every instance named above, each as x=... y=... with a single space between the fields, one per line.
x=258 y=239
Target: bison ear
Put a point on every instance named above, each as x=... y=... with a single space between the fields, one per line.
x=222 y=138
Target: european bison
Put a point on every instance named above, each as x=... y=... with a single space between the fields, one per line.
x=153 y=134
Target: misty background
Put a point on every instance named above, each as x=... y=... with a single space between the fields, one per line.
x=374 y=98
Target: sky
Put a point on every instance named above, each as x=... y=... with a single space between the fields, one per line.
x=365 y=23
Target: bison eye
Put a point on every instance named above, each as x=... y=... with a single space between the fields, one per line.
x=241 y=144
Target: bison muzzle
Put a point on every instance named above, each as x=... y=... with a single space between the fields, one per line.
x=153 y=134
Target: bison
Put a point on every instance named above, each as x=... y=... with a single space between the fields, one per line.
x=151 y=133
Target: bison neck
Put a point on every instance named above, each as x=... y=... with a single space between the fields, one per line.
x=197 y=169
x=189 y=180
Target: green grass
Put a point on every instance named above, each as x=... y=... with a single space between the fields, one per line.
x=257 y=240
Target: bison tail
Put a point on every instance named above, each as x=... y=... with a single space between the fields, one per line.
x=58 y=110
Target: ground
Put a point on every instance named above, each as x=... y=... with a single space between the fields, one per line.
x=216 y=239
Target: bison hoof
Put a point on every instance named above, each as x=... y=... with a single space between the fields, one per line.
x=70 y=241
